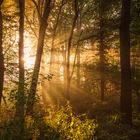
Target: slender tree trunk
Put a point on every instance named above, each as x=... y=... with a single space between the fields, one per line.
x=126 y=91
x=20 y=94
x=64 y=61
x=78 y=66
x=138 y=100
x=78 y=49
x=42 y=30
x=52 y=59
x=69 y=47
x=102 y=70
x=1 y=56
x=102 y=49
x=64 y=50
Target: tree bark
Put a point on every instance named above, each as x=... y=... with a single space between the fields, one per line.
x=76 y=10
x=126 y=91
x=1 y=55
x=42 y=30
x=138 y=100
x=78 y=49
x=102 y=47
x=64 y=61
x=102 y=69
x=78 y=66
x=20 y=93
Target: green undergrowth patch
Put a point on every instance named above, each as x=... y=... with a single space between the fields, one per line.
x=64 y=124
x=52 y=124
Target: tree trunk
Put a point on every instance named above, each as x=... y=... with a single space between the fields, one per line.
x=64 y=61
x=20 y=94
x=126 y=91
x=78 y=66
x=102 y=46
x=42 y=30
x=78 y=49
x=1 y=55
x=52 y=59
x=102 y=70
x=69 y=47
x=138 y=100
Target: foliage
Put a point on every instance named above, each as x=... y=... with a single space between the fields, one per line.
x=70 y=126
x=97 y=20
x=61 y=124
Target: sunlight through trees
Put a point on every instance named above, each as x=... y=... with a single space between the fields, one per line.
x=69 y=69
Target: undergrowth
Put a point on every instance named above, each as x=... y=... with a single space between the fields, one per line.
x=64 y=124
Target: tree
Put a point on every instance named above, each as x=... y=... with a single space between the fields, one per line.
x=20 y=94
x=76 y=12
x=41 y=37
x=126 y=93
x=52 y=58
x=102 y=46
x=104 y=29
x=1 y=55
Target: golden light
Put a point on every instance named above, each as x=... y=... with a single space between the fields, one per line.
x=29 y=57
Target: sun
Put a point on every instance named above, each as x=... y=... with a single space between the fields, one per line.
x=29 y=53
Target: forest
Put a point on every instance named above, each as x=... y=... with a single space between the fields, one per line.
x=69 y=69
